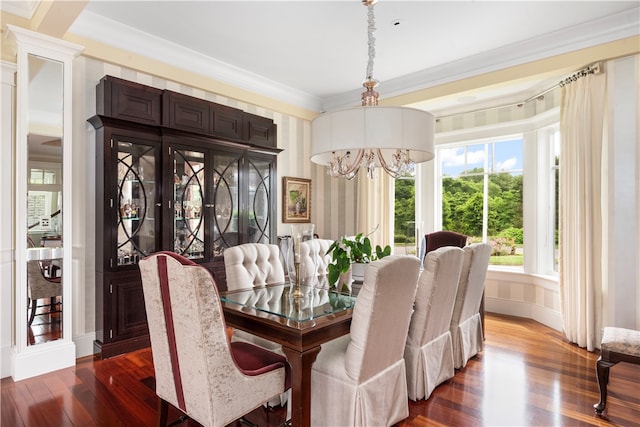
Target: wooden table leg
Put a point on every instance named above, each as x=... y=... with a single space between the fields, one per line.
x=301 y=384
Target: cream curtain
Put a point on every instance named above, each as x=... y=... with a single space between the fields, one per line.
x=582 y=260
x=376 y=208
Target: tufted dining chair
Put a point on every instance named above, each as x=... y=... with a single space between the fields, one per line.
x=197 y=369
x=252 y=264
x=428 y=353
x=359 y=379
x=314 y=252
x=466 y=323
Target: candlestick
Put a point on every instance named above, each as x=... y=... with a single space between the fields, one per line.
x=297 y=292
x=297 y=242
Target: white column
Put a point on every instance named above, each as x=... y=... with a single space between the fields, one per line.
x=622 y=300
x=7 y=244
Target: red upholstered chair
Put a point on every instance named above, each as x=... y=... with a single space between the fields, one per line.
x=197 y=369
x=438 y=239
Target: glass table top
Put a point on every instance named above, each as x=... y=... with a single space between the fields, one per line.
x=278 y=300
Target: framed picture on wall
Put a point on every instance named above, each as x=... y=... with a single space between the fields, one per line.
x=296 y=199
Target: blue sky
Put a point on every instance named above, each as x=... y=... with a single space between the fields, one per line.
x=505 y=156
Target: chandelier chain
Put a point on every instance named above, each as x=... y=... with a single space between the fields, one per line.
x=371 y=28
x=368 y=150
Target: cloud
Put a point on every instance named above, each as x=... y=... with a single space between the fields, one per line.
x=507 y=164
x=452 y=157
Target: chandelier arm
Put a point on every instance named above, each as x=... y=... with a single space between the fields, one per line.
x=356 y=163
x=394 y=174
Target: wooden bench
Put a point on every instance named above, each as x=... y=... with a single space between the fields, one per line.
x=618 y=345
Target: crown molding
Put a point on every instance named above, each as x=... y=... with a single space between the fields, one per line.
x=109 y=32
x=608 y=29
x=615 y=27
x=23 y=8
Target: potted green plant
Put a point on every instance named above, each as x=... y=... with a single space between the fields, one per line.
x=351 y=250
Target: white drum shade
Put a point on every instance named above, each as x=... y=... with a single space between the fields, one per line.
x=370 y=128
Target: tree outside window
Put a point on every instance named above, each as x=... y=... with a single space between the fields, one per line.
x=482 y=196
x=405 y=216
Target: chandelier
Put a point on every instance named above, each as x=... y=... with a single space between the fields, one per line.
x=371 y=136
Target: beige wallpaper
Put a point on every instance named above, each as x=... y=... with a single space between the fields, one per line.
x=504 y=114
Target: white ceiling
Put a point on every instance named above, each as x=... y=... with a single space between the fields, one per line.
x=314 y=53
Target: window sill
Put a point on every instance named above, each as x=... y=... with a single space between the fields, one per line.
x=517 y=275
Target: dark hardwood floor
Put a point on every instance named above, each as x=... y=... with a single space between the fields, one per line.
x=528 y=375
x=47 y=323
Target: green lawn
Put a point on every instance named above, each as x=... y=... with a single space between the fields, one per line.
x=506 y=260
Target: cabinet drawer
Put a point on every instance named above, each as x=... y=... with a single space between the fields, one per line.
x=185 y=112
x=122 y=99
x=259 y=130
x=226 y=122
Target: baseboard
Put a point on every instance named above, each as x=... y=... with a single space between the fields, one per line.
x=48 y=357
x=550 y=318
x=84 y=344
x=6 y=361
x=83 y=347
x=540 y=314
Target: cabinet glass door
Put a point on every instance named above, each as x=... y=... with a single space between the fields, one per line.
x=136 y=201
x=225 y=201
x=188 y=200
x=259 y=200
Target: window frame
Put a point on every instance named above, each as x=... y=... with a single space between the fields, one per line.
x=537 y=160
x=488 y=167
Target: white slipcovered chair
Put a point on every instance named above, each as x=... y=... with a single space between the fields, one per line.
x=466 y=322
x=429 y=350
x=252 y=264
x=197 y=369
x=359 y=379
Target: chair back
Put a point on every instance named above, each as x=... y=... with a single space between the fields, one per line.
x=381 y=316
x=38 y=286
x=436 y=295
x=314 y=252
x=438 y=239
x=252 y=264
x=192 y=357
x=471 y=283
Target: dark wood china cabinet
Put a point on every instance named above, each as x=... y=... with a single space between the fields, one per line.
x=177 y=173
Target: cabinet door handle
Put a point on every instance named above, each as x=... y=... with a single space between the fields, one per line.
x=209 y=205
x=158 y=204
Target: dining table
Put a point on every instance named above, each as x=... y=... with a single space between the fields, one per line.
x=300 y=320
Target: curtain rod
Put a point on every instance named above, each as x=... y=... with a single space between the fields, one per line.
x=595 y=68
